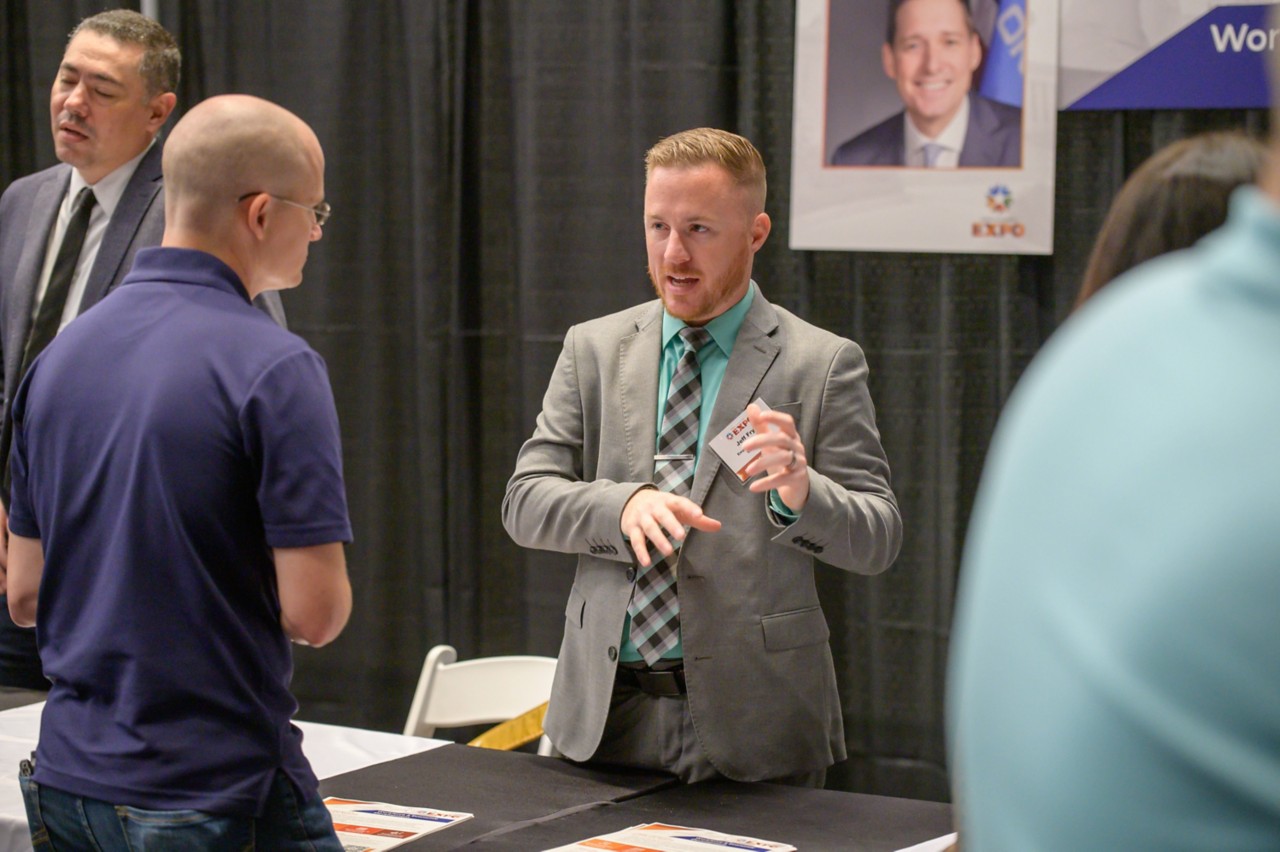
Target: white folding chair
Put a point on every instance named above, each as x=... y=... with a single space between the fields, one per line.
x=482 y=691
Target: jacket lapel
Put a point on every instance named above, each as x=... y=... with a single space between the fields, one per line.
x=638 y=358
x=753 y=354
x=139 y=195
x=44 y=215
x=978 y=138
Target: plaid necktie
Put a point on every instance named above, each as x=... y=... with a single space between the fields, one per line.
x=654 y=607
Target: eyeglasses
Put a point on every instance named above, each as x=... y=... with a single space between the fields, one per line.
x=322 y=210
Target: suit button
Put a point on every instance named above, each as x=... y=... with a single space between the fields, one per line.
x=613 y=551
x=631 y=574
x=595 y=550
x=817 y=548
x=613 y=653
x=798 y=540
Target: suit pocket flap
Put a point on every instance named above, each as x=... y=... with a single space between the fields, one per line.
x=576 y=608
x=792 y=408
x=794 y=629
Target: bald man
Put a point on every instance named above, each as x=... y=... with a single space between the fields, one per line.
x=110 y=95
x=169 y=560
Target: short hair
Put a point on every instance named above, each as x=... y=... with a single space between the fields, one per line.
x=734 y=153
x=891 y=28
x=1175 y=197
x=161 y=63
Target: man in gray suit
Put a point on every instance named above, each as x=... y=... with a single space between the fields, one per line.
x=930 y=52
x=743 y=686
x=112 y=94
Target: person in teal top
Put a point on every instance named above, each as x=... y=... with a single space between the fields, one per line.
x=1115 y=672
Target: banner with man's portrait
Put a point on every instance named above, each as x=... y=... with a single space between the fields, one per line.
x=925 y=125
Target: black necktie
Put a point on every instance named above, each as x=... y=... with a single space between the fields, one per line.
x=49 y=317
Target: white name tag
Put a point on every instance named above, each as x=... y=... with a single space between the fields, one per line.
x=728 y=442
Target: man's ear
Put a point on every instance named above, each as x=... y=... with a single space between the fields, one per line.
x=975 y=47
x=159 y=109
x=256 y=215
x=886 y=59
x=760 y=228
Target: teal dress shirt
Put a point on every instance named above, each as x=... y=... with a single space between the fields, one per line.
x=713 y=360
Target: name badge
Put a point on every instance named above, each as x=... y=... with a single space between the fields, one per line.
x=728 y=442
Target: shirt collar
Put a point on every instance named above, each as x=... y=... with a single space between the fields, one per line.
x=724 y=328
x=1248 y=249
x=951 y=137
x=107 y=192
x=168 y=265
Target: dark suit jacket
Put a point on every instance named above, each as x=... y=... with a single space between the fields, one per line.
x=761 y=683
x=994 y=138
x=28 y=211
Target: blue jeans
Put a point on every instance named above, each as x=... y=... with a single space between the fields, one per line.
x=62 y=821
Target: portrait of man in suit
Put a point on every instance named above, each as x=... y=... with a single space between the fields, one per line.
x=69 y=233
x=931 y=53
x=694 y=639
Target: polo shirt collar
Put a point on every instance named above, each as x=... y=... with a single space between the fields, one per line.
x=184 y=266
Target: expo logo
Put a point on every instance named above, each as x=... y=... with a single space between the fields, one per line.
x=999 y=200
x=999 y=229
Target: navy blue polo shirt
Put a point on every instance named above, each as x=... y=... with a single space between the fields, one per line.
x=164 y=442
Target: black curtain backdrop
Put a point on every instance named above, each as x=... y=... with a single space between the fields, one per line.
x=485 y=165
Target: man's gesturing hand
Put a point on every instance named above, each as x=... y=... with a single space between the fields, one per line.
x=651 y=516
x=782 y=457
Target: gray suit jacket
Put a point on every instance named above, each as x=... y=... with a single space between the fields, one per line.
x=994 y=138
x=762 y=688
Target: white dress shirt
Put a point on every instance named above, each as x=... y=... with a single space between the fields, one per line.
x=951 y=139
x=107 y=192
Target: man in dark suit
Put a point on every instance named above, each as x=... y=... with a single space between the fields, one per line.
x=112 y=94
x=931 y=50
x=736 y=678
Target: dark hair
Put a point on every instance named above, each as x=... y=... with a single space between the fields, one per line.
x=891 y=28
x=1173 y=199
x=161 y=62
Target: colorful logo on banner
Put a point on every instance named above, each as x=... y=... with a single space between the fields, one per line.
x=1006 y=55
x=1217 y=62
x=999 y=200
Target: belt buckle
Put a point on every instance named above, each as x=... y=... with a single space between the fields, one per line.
x=661 y=683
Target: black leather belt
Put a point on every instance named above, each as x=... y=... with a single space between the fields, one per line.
x=664 y=680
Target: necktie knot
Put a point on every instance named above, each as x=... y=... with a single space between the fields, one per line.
x=694 y=338
x=83 y=205
x=932 y=151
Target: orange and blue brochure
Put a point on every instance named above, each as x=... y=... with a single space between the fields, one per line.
x=373 y=826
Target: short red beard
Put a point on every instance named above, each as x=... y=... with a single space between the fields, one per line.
x=717 y=295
